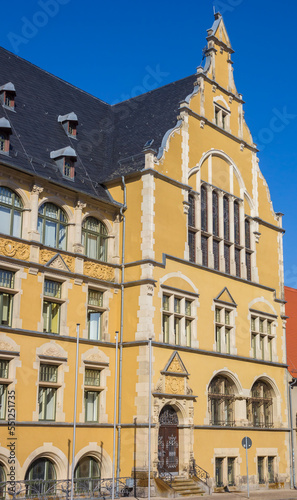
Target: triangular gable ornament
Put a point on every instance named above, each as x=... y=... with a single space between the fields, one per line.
x=57 y=262
x=225 y=296
x=175 y=365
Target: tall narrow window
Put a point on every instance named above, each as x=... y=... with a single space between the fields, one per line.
x=203 y=208
x=6 y=296
x=191 y=229
x=236 y=223
x=237 y=262
x=52 y=226
x=261 y=476
x=47 y=394
x=221 y=394
x=51 y=306
x=227 y=258
x=11 y=209
x=231 y=471
x=92 y=385
x=248 y=252
x=94 y=239
x=3 y=388
x=204 y=250
x=216 y=254
x=226 y=218
x=215 y=213
x=95 y=311
x=247 y=233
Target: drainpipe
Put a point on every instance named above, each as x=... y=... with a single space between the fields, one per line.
x=122 y=210
x=292 y=384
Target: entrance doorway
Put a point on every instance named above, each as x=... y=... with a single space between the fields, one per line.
x=168 y=440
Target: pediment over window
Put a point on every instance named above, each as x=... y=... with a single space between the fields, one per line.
x=226 y=297
x=57 y=262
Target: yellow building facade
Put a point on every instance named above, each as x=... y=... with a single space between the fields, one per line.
x=175 y=241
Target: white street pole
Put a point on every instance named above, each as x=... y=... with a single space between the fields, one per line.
x=115 y=412
x=150 y=419
x=74 y=413
x=247 y=469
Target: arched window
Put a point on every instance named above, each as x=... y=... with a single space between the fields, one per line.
x=42 y=477
x=94 y=239
x=203 y=208
x=52 y=226
x=10 y=212
x=221 y=401
x=87 y=473
x=260 y=405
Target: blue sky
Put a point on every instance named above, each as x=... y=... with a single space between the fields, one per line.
x=108 y=49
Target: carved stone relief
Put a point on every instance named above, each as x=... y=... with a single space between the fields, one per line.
x=14 y=249
x=99 y=271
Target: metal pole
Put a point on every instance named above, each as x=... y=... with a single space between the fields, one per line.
x=74 y=413
x=115 y=413
x=247 y=469
x=293 y=481
x=150 y=418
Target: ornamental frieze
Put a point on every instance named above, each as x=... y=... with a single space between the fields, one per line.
x=99 y=271
x=14 y=249
x=46 y=255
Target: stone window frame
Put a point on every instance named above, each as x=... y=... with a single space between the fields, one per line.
x=224 y=455
x=231 y=327
x=45 y=384
x=180 y=314
x=265 y=454
x=43 y=217
x=263 y=339
x=102 y=367
x=107 y=295
x=16 y=292
x=61 y=364
x=221 y=116
x=6 y=381
x=62 y=301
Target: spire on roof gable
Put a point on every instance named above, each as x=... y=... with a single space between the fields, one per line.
x=218 y=31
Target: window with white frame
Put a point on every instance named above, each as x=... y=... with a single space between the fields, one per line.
x=95 y=314
x=4 y=369
x=6 y=296
x=221 y=116
x=177 y=318
x=47 y=391
x=263 y=336
x=52 y=306
x=223 y=328
x=92 y=394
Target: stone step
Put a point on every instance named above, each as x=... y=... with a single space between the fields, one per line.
x=186 y=487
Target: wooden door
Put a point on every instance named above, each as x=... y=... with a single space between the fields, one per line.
x=168 y=441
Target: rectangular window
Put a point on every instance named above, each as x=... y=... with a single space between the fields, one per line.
x=226 y=218
x=47 y=403
x=188 y=332
x=4 y=368
x=48 y=373
x=237 y=262
x=224 y=324
x=219 y=472
x=192 y=249
x=204 y=208
x=248 y=266
x=254 y=345
x=191 y=213
x=227 y=258
x=270 y=463
x=218 y=315
x=204 y=250
x=91 y=406
x=165 y=329
x=51 y=309
x=92 y=377
x=215 y=213
x=262 y=346
x=188 y=307
x=177 y=324
x=218 y=339
x=165 y=302
x=270 y=348
x=6 y=281
x=177 y=305
x=236 y=223
x=227 y=340
x=261 y=477
x=3 y=401
x=95 y=303
x=231 y=471
x=216 y=255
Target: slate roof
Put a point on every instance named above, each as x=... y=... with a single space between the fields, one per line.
x=110 y=139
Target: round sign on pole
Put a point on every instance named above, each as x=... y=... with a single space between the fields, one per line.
x=246 y=442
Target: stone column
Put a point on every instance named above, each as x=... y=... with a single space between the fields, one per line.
x=33 y=233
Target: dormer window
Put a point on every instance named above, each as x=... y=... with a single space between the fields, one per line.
x=7 y=95
x=5 y=131
x=68 y=170
x=69 y=124
x=64 y=159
